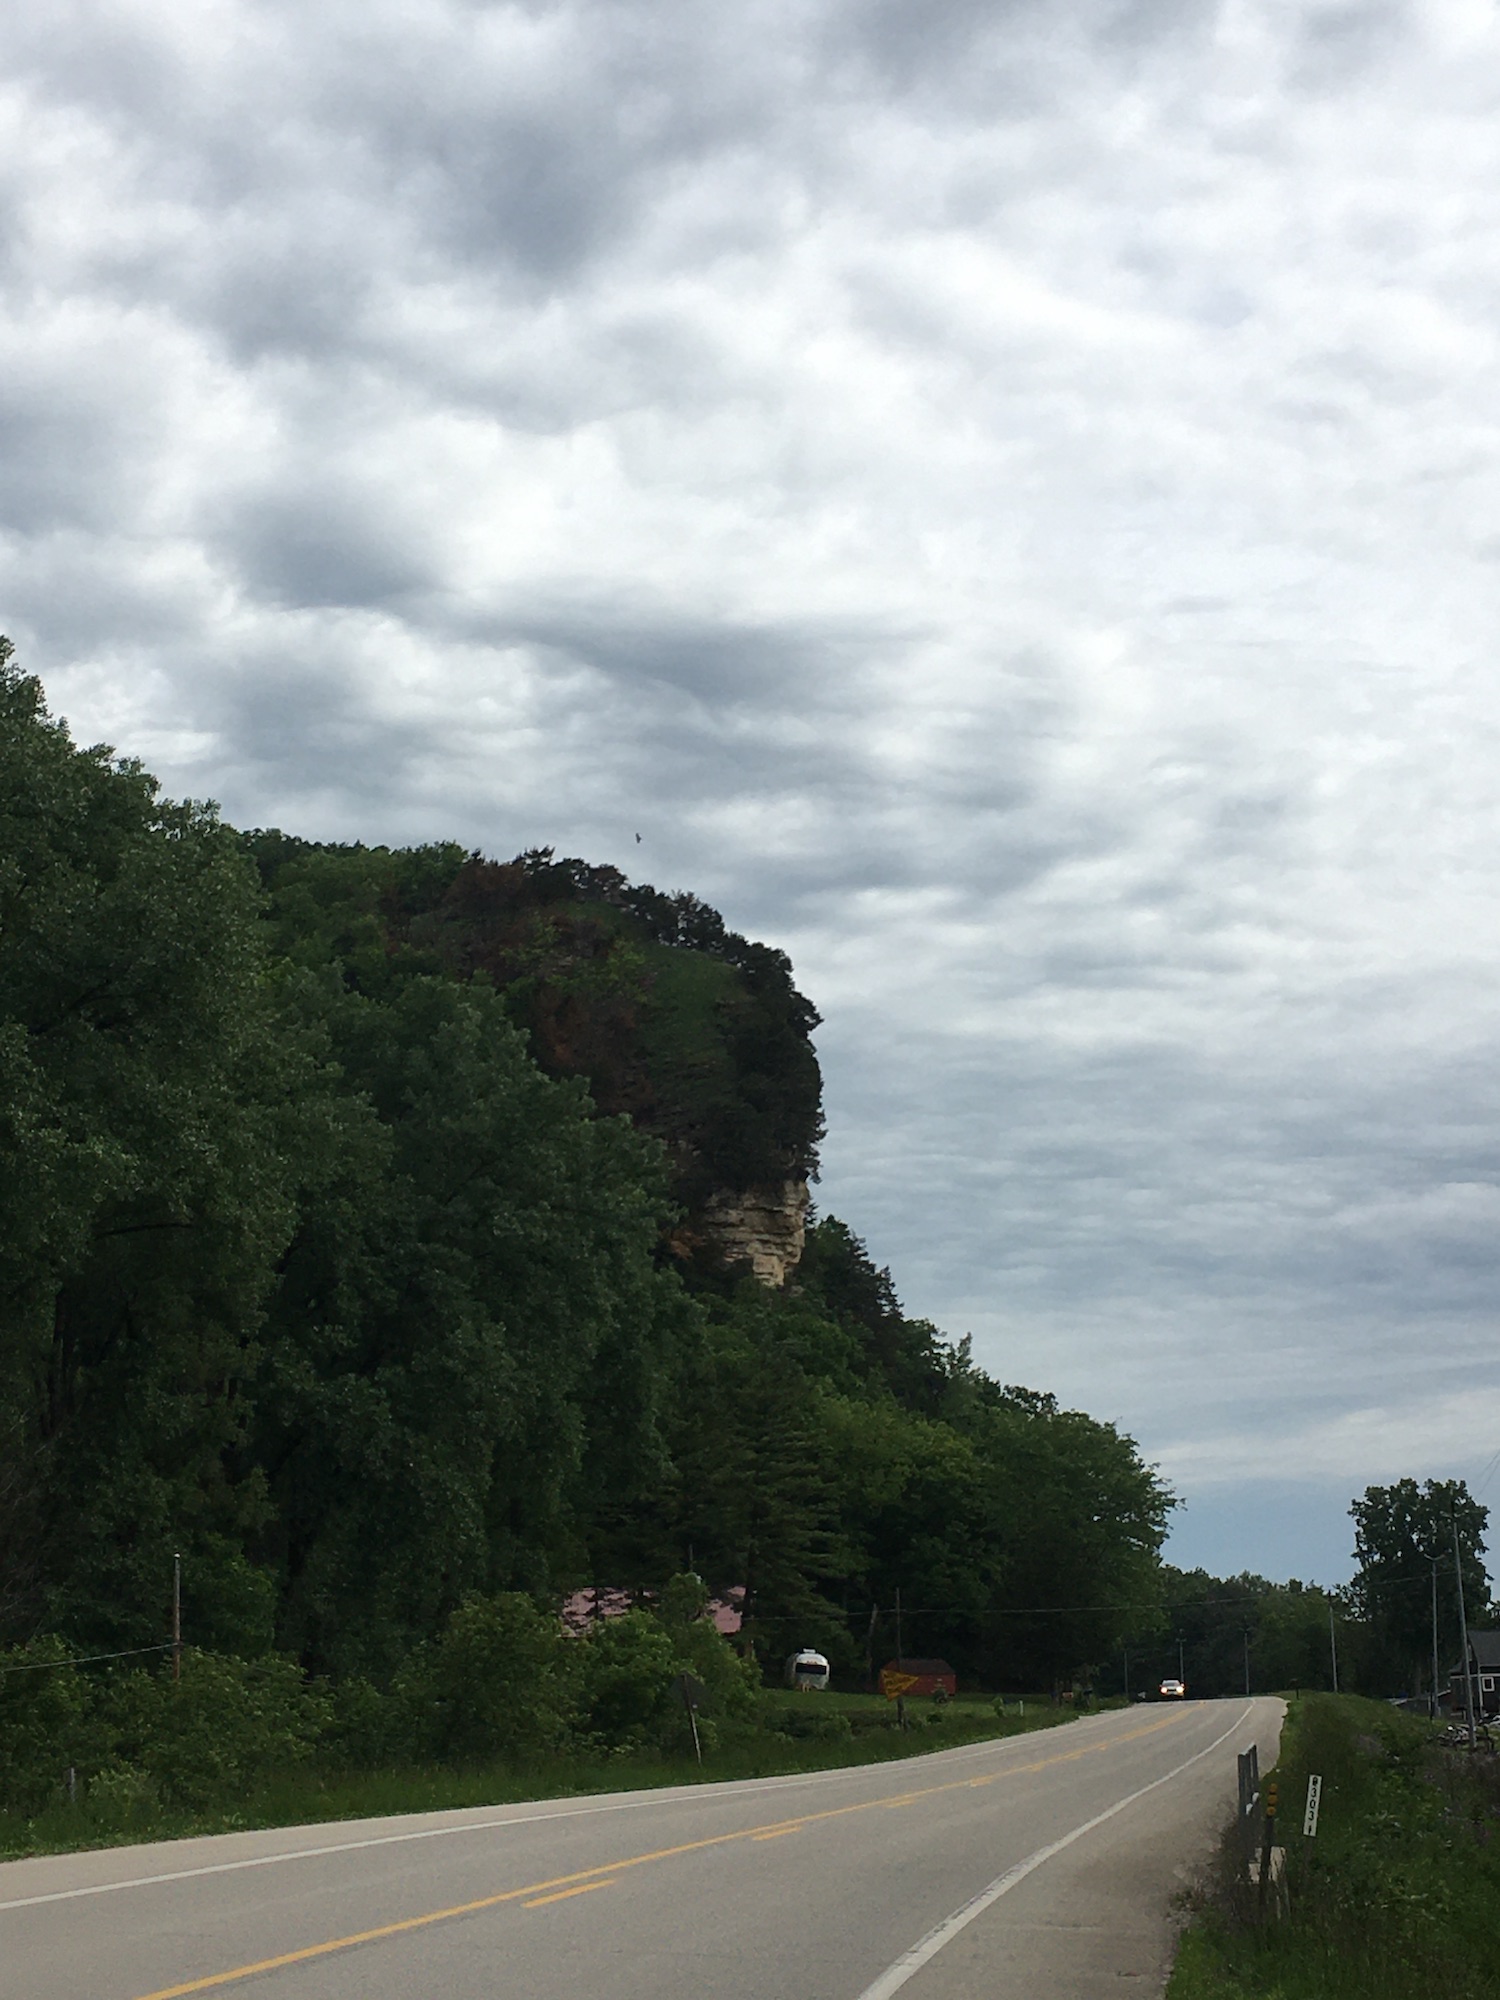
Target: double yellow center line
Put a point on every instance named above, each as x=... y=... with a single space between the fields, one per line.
x=536 y=1895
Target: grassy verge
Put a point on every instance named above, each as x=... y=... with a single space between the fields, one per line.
x=798 y=1733
x=1398 y=1896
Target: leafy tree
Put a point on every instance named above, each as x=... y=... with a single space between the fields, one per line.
x=1403 y=1536
x=142 y=1117
x=628 y=1667
x=729 y=1679
x=1087 y=1519
x=501 y=1681
x=908 y=1357
x=757 y=1498
x=472 y=1268
x=695 y=1033
x=807 y=1477
x=1291 y=1645
x=44 y=1721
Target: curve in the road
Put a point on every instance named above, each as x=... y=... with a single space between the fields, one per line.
x=911 y=1962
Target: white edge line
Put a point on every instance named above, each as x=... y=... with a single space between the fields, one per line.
x=910 y=1962
x=441 y=1833
x=312 y=1853
x=690 y=1795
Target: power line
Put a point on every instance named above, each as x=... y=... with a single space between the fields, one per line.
x=1069 y=1610
x=1143 y=1604
x=87 y=1659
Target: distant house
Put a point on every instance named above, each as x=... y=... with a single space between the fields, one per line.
x=1483 y=1675
x=917 y=1677
x=586 y=1607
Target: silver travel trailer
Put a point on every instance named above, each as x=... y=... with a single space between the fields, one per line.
x=806 y=1669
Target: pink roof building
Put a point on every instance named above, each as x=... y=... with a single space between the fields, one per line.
x=585 y=1607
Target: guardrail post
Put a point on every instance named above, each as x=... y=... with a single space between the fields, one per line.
x=1249 y=1779
x=1267 y=1846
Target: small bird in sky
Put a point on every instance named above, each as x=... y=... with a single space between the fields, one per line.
x=638 y=840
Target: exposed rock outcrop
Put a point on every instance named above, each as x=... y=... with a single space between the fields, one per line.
x=763 y=1228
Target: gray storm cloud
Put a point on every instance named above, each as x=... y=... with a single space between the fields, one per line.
x=1003 y=499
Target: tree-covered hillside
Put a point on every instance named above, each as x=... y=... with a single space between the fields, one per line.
x=342 y=1250
x=696 y=1034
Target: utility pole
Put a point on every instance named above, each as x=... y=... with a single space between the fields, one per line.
x=1127 y=1673
x=1247 y=1658
x=1333 y=1646
x=1180 y=1673
x=870 y=1648
x=1463 y=1629
x=1433 y=1707
x=900 y=1668
x=177 y=1617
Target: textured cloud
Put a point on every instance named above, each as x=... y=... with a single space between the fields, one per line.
x=1002 y=498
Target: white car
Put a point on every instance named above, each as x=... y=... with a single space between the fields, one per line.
x=1172 y=1690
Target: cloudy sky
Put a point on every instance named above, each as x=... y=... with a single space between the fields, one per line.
x=1004 y=499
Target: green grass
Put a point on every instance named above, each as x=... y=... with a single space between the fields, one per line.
x=1397 y=1898
x=309 y=1795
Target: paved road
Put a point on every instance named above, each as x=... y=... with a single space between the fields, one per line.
x=1037 y=1869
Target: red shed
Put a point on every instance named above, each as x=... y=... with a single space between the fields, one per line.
x=917 y=1677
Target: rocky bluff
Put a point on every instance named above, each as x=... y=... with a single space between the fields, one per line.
x=696 y=1034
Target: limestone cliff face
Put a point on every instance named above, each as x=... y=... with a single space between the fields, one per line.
x=764 y=1227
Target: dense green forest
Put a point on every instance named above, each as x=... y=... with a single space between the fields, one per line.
x=350 y=1247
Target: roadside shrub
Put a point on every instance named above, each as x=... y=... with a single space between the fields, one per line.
x=683 y=1602
x=363 y=1726
x=121 y=1795
x=812 y=1725
x=227 y=1725
x=628 y=1666
x=501 y=1679
x=732 y=1683
x=672 y=1732
x=863 y=1721
x=45 y=1722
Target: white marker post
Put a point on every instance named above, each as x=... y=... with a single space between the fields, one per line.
x=1314 y=1800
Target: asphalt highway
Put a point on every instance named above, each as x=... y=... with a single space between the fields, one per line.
x=1041 y=1868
